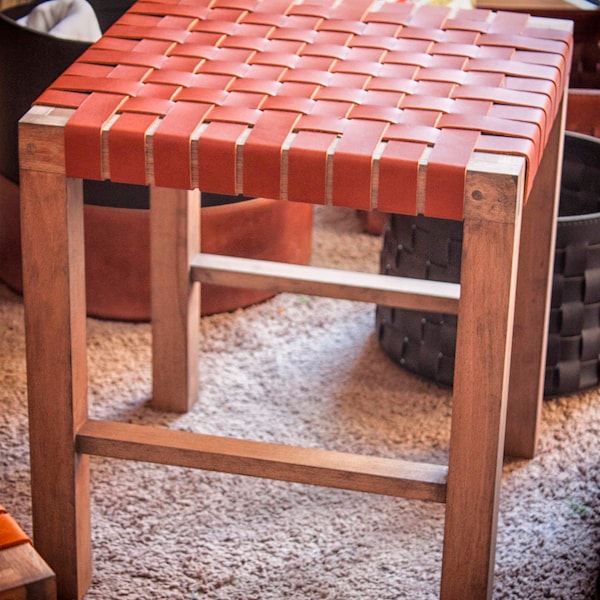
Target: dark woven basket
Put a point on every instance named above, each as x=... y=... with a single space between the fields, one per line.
x=429 y=248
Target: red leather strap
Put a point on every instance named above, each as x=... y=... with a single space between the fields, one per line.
x=264 y=146
x=352 y=163
x=218 y=146
x=61 y=99
x=398 y=175
x=83 y=135
x=127 y=147
x=198 y=9
x=308 y=157
x=172 y=145
x=446 y=169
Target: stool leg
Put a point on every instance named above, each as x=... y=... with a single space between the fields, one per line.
x=533 y=302
x=489 y=264
x=54 y=299
x=175 y=239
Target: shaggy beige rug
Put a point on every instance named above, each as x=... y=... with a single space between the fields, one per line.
x=298 y=369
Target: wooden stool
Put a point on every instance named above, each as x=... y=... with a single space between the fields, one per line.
x=23 y=573
x=367 y=106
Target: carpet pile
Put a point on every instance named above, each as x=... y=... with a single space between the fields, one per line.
x=304 y=370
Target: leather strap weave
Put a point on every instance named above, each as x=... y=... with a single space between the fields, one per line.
x=323 y=102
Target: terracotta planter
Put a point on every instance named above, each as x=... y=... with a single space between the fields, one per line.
x=118 y=250
x=583 y=111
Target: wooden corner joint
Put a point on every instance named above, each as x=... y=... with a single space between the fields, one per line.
x=495 y=188
x=41 y=139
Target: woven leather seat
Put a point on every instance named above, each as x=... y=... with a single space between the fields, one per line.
x=407 y=79
x=376 y=106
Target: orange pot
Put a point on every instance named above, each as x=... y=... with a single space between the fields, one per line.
x=117 y=243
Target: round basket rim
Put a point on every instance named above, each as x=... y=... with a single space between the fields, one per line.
x=587 y=217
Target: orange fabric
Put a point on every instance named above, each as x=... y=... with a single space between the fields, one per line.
x=220 y=94
x=11 y=533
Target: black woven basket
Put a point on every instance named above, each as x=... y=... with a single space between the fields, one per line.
x=427 y=248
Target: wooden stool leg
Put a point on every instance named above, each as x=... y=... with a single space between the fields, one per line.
x=536 y=264
x=175 y=239
x=489 y=265
x=54 y=297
